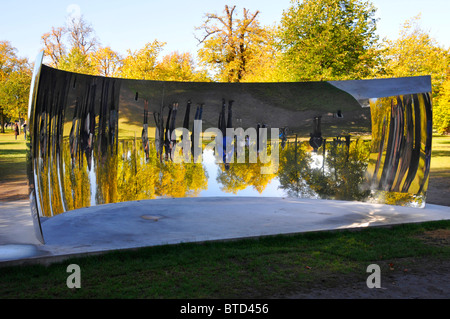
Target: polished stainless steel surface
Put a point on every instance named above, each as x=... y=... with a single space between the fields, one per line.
x=98 y=140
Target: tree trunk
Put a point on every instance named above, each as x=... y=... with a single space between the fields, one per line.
x=2 y=118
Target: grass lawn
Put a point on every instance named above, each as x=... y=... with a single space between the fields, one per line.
x=12 y=156
x=252 y=268
x=440 y=161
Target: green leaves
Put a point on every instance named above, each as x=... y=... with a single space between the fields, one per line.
x=328 y=40
x=441 y=109
x=15 y=78
x=415 y=53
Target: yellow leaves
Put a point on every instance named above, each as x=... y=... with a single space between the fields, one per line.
x=416 y=53
x=147 y=179
x=53 y=45
x=144 y=64
x=106 y=61
x=441 y=109
x=141 y=64
x=179 y=67
x=15 y=77
x=239 y=176
x=229 y=42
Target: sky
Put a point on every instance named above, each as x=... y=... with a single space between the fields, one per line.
x=130 y=24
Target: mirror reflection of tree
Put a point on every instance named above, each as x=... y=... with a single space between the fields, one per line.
x=294 y=171
x=397 y=198
x=142 y=178
x=77 y=188
x=135 y=180
x=341 y=176
x=196 y=178
x=106 y=174
x=401 y=145
x=242 y=175
x=345 y=175
x=239 y=176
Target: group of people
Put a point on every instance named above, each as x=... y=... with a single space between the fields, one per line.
x=164 y=139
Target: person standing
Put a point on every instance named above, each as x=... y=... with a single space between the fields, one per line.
x=24 y=126
x=16 y=130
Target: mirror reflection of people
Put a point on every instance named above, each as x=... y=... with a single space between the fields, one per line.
x=16 y=130
x=283 y=136
x=198 y=117
x=145 y=141
x=166 y=133
x=170 y=127
x=24 y=126
x=223 y=125
x=87 y=141
x=316 y=136
x=187 y=115
x=258 y=135
x=112 y=117
x=338 y=114
x=159 y=134
x=338 y=141
x=73 y=140
x=43 y=134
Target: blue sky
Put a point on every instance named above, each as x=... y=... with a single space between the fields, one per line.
x=130 y=24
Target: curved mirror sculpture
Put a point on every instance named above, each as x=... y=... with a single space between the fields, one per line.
x=98 y=140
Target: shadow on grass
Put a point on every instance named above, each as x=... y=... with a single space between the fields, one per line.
x=249 y=268
x=13 y=152
x=12 y=164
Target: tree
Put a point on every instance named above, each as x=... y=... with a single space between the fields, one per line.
x=8 y=59
x=81 y=35
x=76 y=61
x=15 y=78
x=69 y=47
x=229 y=43
x=239 y=176
x=179 y=67
x=329 y=40
x=141 y=64
x=415 y=53
x=441 y=109
x=294 y=173
x=54 y=46
x=106 y=62
x=263 y=66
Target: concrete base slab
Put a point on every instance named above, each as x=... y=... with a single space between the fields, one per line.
x=16 y=223
x=171 y=221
